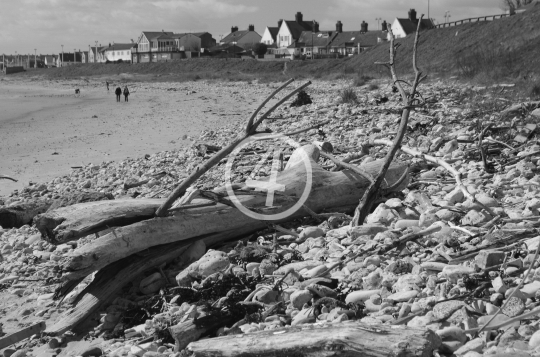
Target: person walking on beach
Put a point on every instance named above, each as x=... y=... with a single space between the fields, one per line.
x=126 y=94
x=118 y=93
x=107 y=82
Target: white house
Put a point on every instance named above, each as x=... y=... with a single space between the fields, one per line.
x=269 y=35
x=290 y=31
x=403 y=27
x=118 y=51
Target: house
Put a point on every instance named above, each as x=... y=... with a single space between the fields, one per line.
x=118 y=52
x=290 y=31
x=315 y=42
x=96 y=55
x=403 y=27
x=227 y=49
x=84 y=57
x=194 y=42
x=245 y=38
x=50 y=61
x=269 y=36
x=155 y=46
x=353 y=42
x=67 y=58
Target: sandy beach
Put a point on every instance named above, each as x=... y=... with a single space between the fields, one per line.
x=45 y=129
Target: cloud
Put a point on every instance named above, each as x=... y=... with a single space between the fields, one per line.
x=210 y=8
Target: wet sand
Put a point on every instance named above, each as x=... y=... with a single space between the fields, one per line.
x=45 y=129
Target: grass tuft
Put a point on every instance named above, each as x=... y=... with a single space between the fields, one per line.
x=348 y=96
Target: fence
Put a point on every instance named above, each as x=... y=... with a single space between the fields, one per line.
x=481 y=18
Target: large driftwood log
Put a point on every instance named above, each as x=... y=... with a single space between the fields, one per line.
x=76 y=221
x=346 y=339
x=18 y=215
x=330 y=191
x=110 y=280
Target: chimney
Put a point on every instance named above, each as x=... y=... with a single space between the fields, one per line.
x=315 y=26
x=339 y=27
x=234 y=28
x=279 y=23
x=412 y=15
x=109 y=44
x=132 y=41
x=384 y=26
x=364 y=27
x=299 y=17
x=251 y=28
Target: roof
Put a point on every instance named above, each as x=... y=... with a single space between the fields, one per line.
x=409 y=27
x=320 y=39
x=296 y=28
x=180 y=35
x=353 y=38
x=273 y=32
x=235 y=36
x=226 y=47
x=119 y=47
x=151 y=35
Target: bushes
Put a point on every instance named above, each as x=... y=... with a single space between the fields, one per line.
x=488 y=63
x=361 y=80
x=348 y=96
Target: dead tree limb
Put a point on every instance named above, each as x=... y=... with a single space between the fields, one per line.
x=347 y=339
x=369 y=197
x=251 y=129
x=7 y=178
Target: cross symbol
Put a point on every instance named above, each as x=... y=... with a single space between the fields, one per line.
x=271 y=185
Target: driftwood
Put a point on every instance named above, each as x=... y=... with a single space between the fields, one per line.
x=21 y=334
x=18 y=215
x=344 y=339
x=331 y=191
x=109 y=281
x=76 y=221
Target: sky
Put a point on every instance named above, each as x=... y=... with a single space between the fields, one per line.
x=46 y=25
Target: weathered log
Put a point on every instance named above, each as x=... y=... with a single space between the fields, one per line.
x=76 y=221
x=330 y=191
x=186 y=332
x=22 y=334
x=80 y=197
x=110 y=280
x=345 y=339
x=20 y=214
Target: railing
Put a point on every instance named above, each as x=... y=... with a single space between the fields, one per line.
x=472 y=19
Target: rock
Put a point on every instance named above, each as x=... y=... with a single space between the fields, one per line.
x=529 y=290
x=514 y=307
x=9 y=352
x=498 y=285
x=382 y=215
x=475 y=345
x=486 y=259
x=311 y=232
x=303 y=317
x=360 y=295
x=454 y=272
x=445 y=309
x=535 y=340
x=436 y=266
x=267 y=296
x=452 y=333
x=251 y=266
x=367 y=230
x=298 y=266
x=474 y=218
x=403 y=296
x=151 y=284
x=212 y=262
x=300 y=297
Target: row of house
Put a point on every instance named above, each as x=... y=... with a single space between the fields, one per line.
x=300 y=37
x=290 y=39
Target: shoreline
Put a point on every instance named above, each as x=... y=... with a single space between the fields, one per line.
x=46 y=130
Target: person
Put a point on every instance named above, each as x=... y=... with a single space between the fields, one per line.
x=126 y=94
x=118 y=93
x=107 y=85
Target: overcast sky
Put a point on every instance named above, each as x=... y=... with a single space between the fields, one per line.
x=48 y=24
